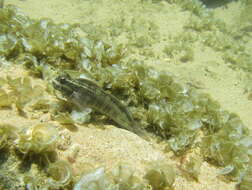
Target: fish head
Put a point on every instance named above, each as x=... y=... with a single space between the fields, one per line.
x=63 y=84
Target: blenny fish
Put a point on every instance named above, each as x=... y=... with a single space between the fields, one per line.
x=85 y=93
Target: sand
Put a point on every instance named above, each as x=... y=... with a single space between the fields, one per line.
x=207 y=72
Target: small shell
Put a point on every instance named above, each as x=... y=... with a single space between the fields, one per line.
x=95 y=180
x=60 y=173
x=160 y=175
x=40 y=138
x=45 y=135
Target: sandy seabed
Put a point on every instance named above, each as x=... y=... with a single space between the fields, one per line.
x=207 y=71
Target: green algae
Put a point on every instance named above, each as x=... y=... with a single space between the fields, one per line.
x=160 y=176
x=124 y=179
x=60 y=173
x=38 y=139
x=7 y=133
x=191 y=168
x=246 y=182
x=5 y=100
x=158 y=102
x=120 y=178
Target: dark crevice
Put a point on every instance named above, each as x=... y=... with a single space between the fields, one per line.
x=216 y=3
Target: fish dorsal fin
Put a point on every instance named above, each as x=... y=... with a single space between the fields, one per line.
x=88 y=82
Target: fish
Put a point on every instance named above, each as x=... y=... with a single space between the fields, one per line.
x=85 y=93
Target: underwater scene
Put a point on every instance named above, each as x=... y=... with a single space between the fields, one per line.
x=125 y=95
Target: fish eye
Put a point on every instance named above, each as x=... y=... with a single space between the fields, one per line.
x=62 y=79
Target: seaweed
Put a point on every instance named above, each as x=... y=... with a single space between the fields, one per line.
x=40 y=138
x=124 y=178
x=160 y=176
x=95 y=180
x=231 y=42
x=158 y=102
x=7 y=132
x=60 y=173
x=246 y=182
x=19 y=173
x=229 y=148
x=179 y=49
x=191 y=166
x=195 y=6
x=5 y=99
x=120 y=178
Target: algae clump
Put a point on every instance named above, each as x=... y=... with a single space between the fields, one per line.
x=120 y=178
x=160 y=176
x=158 y=102
x=40 y=138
